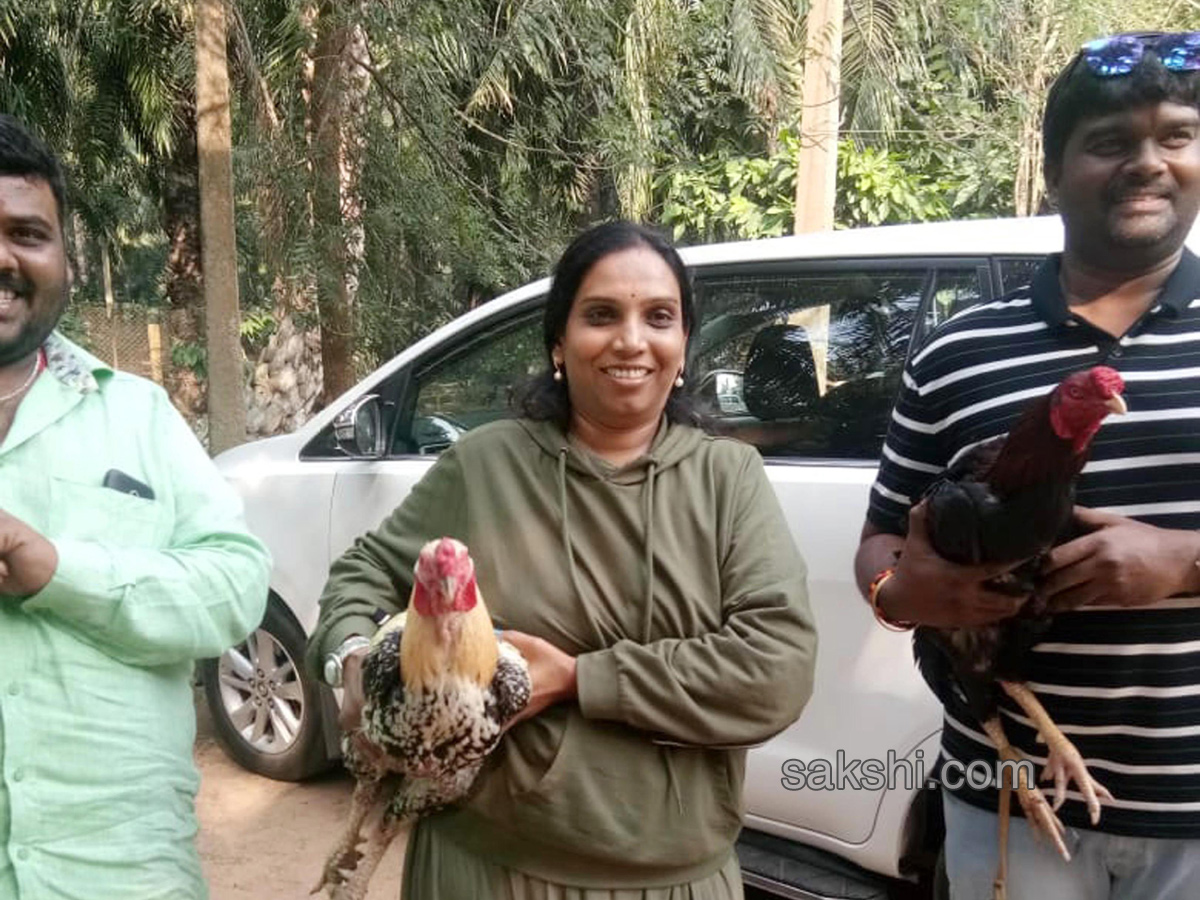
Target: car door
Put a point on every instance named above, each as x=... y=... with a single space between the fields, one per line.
x=804 y=361
x=465 y=381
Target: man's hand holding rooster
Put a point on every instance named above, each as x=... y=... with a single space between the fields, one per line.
x=1121 y=562
x=933 y=591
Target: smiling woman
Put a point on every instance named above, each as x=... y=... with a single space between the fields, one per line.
x=621 y=352
x=644 y=570
x=621 y=300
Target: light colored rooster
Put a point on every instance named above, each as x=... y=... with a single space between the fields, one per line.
x=439 y=689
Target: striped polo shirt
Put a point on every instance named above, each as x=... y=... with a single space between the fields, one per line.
x=1124 y=684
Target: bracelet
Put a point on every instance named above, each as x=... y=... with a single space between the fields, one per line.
x=876 y=586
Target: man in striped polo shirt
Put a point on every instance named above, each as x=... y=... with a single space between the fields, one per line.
x=1120 y=672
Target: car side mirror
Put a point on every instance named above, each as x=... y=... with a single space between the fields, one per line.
x=358 y=429
x=729 y=387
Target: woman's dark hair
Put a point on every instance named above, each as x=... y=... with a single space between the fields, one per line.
x=544 y=398
x=1078 y=94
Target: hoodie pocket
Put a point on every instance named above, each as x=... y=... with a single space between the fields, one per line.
x=609 y=794
x=540 y=785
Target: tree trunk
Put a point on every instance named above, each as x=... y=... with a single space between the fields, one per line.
x=338 y=98
x=1027 y=186
x=183 y=275
x=635 y=178
x=285 y=384
x=214 y=138
x=816 y=163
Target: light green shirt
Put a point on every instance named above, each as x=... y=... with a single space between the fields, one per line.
x=97 y=724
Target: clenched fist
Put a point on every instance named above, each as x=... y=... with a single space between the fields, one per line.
x=27 y=559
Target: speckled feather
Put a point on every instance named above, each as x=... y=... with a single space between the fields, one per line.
x=436 y=738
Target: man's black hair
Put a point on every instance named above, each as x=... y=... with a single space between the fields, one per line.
x=24 y=155
x=1079 y=94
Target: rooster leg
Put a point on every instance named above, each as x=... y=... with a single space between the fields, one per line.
x=345 y=855
x=1063 y=761
x=380 y=838
x=999 y=886
x=1033 y=803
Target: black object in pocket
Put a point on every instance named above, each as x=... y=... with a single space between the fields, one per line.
x=119 y=481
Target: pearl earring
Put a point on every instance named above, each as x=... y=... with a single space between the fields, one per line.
x=679 y=379
x=558 y=375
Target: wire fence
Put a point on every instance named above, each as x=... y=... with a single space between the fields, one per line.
x=128 y=336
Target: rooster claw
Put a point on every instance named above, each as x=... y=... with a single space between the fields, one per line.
x=1064 y=765
x=1042 y=818
x=336 y=870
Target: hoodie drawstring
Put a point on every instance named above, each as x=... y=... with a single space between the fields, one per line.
x=649 y=516
x=566 y=539
x=667 y=758
x=648 y=602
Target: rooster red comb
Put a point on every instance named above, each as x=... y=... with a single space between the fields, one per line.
x=444 y=578
x=1082 y=401
x=1107 y=381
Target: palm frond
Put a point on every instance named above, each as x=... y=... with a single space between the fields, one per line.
x=535 y=40
x=767 y=54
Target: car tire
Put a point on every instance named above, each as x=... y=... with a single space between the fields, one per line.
x=265 y=708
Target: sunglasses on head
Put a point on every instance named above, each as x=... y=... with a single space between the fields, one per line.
x=1119 y=54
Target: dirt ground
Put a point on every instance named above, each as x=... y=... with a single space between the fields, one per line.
x=267 y=840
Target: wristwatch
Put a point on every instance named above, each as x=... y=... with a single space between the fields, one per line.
x=335 y=660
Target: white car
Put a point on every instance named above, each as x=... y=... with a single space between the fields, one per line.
x=799 y=349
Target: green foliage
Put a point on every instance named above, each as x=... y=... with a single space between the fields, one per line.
x=255 y=330
x=190 y=355
x=879 y=187
x=731 y=197
x=72 y=326
x=725 y=197
x=492 y=131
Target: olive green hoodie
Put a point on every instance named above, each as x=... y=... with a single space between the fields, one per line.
x=675 y=582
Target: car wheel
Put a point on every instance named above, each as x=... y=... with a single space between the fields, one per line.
x=266 y=710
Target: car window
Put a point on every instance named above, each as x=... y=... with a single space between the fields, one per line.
x=1017 y=272
x=951 y=291
x=469 y=385
x=808 y=364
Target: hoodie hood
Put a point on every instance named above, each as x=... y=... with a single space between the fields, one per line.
x=671 y=445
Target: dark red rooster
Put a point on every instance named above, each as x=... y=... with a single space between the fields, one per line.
x=1010 y=500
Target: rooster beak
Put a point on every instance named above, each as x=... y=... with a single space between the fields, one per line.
x=1116 y=403
x=449 y=588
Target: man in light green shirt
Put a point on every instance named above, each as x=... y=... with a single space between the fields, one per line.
x=123 y=558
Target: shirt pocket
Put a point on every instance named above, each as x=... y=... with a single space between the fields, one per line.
x=85 y=512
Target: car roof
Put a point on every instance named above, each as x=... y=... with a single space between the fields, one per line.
x=972 y=237
x=1032 y=236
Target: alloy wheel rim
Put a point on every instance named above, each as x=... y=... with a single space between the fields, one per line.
x=261 y=691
